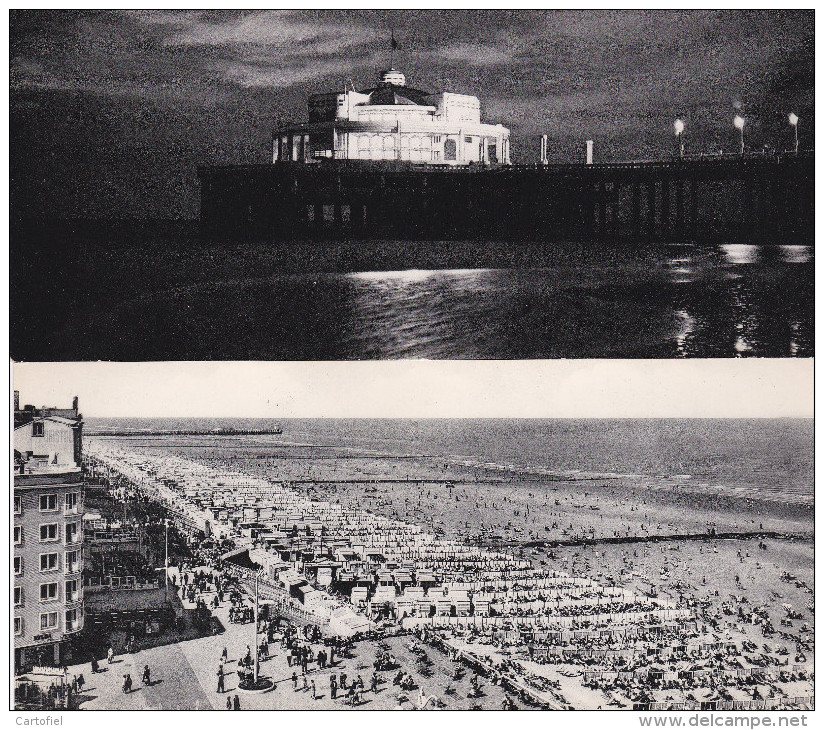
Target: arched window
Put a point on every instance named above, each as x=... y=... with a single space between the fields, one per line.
x=450 y=149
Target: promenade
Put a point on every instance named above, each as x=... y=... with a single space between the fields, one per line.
x=184 y=677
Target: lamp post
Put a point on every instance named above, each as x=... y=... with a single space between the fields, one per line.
x=794 y=122
x=739 y=122
x=166 y=562
x=679 y=135
x=257 y=666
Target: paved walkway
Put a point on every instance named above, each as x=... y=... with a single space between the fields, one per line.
x=184 y=676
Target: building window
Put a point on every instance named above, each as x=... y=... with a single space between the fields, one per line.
x=38 y=428
x=72 y=592
x=492 y=153
x=436 y=155
x=18 y=626
x=436 y=139
x=18 y=505
x=72 y=500
x=48 y=561
x=18 y=565
x=18 y=596
x=48 y=533
x=48 y=502
x=468 y=140
x=48 y=621
x=48 y=592
x=18 y=535
x=73 y=561
x=450 y=150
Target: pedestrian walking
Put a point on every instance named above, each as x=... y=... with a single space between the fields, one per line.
x=110 y=655
x=229 y=702
x=221 y=683
x=314 y=691
x=236 y=703
x=294 y=681
x=81 y=680
x=225 y=654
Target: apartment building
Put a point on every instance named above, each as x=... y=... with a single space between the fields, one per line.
x=48 y=534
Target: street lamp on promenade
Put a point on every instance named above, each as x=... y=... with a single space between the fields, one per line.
x=794 y=122
x=679 y=135
x=166 y=562
x=739 y=123
x=257 y=660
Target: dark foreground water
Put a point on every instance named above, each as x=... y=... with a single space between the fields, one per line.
x=576 y=302
x=771 y=454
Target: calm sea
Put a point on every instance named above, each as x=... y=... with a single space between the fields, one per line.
x=769 y=453
x=577 y=302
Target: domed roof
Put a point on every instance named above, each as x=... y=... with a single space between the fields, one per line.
x=392 y=89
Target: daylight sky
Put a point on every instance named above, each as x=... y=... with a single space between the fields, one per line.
x=112 y=111
x=757 y=388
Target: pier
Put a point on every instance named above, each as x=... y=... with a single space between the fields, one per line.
x=741 y=198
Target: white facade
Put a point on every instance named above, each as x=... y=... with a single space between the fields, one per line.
x=394 y=122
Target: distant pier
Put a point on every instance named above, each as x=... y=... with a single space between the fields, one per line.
x=743 y=199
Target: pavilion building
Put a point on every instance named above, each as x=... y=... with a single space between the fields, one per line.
x=392 y=121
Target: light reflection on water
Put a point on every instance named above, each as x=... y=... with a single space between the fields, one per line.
x=740 y=253
x=796 y=254
x=729 y=301
x=679 y=301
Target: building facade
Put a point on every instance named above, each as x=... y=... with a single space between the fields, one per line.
x=392 y=121
x=48 y=534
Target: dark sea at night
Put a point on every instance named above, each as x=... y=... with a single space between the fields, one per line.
x=773 y=455
x=257 y=302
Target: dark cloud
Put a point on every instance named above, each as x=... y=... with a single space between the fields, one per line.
x=112 y=111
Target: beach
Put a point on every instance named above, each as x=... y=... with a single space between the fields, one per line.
x=736 y=559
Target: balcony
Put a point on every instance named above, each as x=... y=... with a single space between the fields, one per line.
x=75 y=566
x=73 y=626
x=74 y=596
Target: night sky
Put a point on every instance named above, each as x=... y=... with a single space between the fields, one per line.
x=111 y=112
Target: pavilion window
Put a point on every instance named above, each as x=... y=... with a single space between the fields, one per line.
x=450 y=150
